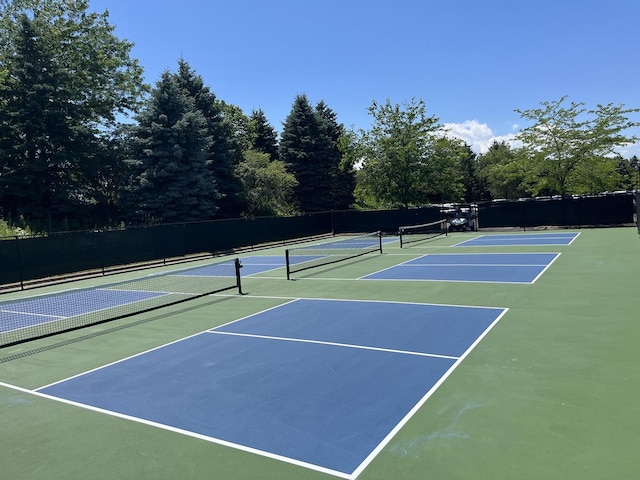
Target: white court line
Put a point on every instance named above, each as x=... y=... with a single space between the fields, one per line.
x=334 y=344
x=32 y=314
x=510 y=265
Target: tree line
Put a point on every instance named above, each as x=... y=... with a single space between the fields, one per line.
x=85 y=143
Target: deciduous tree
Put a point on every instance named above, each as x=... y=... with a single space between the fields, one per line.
x=397 y=152
x=566 y=140
x=267 y=184
x=64 y=78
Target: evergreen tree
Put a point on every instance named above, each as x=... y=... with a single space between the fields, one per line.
x=41 y=139
x=303 y=148
x=264 y=137
x=222 y=154
x=342 y=172
x=170 y=180
x=64 y=77
x=564 y=142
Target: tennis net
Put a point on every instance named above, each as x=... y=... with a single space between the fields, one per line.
x=304 y=258
x=419 y=233
x=45 y=315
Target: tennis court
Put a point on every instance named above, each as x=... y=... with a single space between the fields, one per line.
x=332 y=375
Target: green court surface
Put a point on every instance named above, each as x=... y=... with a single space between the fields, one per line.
x=551 y=392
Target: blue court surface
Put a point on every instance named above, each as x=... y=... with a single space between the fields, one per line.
x=363 y=242
x=19 y=314
x=254 y=264
x=45 y=309
x=520 y=240
x=262 y=263
x=471 y=267
x=323 y=384
x=213 y=270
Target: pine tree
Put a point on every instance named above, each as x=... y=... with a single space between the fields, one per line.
x=222 y=153
x=170 y=179
x=343 y=176
x=303 y=148
x=264 y=137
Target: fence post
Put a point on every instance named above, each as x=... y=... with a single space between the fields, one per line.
x=20 y=274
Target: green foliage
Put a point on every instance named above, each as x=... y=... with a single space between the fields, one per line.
x=263 y=136
x=267 y=184
x=42 y=140
x=64 y=77
x=568 y=145
x=309 y=149
x=397 y=155
x=504 y=172
x=10 y=230
x=170 y=179
x=102 y=77
x=343 y=180
x=449 y=180
x=224 y=152
x=629 y=171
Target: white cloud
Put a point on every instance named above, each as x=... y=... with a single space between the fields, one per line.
x=629 y=150
x=477 y=135
x=480 y=137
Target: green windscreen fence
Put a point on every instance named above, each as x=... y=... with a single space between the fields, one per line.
x=25 y=259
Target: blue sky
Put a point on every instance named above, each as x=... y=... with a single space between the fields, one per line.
x=473 y=62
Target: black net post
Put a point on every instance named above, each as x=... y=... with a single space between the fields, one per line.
x=238 y=266
x=286 y=257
